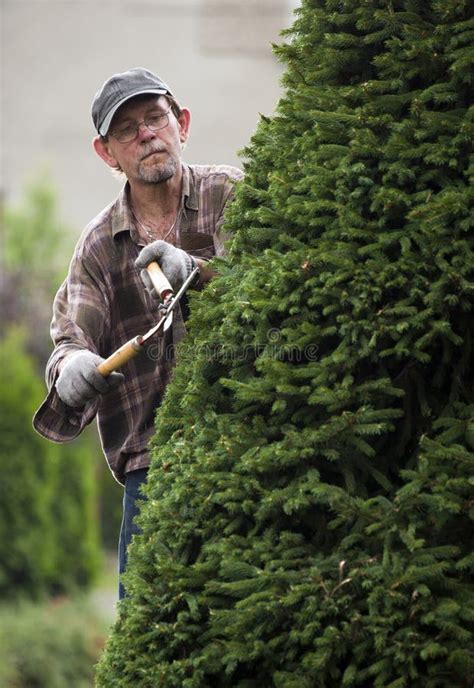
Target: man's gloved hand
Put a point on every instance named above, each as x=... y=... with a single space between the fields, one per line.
x=79 y=380
x=175 y=263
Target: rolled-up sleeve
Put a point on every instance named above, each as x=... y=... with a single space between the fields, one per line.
x=80 y=318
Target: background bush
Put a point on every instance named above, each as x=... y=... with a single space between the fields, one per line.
x=59 y=502
x=48 y=522
x=28 y=532
x=53 y=645
x=52 y=504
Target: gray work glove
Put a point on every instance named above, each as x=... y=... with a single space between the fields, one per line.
x=175 y=263
x=79 y=380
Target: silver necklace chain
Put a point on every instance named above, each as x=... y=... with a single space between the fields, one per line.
x=147 y=229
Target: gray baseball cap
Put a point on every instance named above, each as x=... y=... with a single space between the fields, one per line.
x=120 y=88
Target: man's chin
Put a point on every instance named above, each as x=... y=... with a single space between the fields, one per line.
x=157 y=174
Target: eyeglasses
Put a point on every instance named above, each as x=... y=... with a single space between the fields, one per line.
x=153 y=122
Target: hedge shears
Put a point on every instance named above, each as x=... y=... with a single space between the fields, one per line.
x=169 y=302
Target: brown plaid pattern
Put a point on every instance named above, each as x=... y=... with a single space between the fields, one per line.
x=103 y=303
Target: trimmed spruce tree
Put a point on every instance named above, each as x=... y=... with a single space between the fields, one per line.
x=310 y=514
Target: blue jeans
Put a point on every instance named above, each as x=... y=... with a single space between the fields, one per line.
x=133 y=483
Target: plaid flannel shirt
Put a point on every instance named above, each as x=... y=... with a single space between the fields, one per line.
x=103 y=303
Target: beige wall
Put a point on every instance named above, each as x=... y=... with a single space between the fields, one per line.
x=215 y=54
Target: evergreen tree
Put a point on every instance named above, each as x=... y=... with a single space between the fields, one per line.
x=33 y=254
x=49 y=540
x=309 y=514
x=27 y=535
x=74 y=510
x=48 y=495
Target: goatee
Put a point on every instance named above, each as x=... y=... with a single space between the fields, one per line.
x=160 y=172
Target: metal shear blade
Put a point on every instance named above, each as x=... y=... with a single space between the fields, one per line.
x=168 y=308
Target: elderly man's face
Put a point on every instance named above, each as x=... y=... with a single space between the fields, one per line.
x=152 y=156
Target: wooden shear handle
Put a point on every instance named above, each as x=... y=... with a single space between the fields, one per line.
x=131 y=348
x=159 y=280
x=120 y=357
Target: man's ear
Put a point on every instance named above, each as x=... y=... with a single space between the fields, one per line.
x=184 y=123
x=102 y=149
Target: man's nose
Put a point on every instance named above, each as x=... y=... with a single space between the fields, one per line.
x=145 y=134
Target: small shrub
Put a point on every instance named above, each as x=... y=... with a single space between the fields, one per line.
x=48 y=526
x=52 y=645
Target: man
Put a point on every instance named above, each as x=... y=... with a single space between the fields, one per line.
x=168 y=211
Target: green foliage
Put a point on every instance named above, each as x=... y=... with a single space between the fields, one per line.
x=76 y=511
x=33 y=236
x=53 y=645
x=27 y=538
x=48 y=528
x=310 y=517
x=52 y=492
x=33 y=262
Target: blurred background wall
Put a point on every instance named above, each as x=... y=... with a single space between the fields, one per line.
x=215 y=54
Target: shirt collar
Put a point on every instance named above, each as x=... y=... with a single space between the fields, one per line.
x=189 y=194
x=122 y=220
